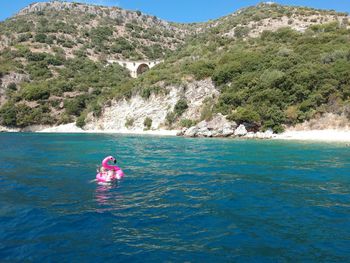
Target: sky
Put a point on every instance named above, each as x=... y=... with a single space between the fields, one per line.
x=182 y=10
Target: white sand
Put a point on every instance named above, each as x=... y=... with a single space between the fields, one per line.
x=66 y=128
x=72 y=128
x=316 y=135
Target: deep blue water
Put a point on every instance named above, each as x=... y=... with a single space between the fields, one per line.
x=194 y=200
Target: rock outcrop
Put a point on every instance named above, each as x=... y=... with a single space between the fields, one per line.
x=219 y=126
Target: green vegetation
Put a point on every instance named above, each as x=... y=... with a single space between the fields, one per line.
x=187 y=123
x=129 y=122
x=81 y=121
x=81 y=85
x=147 y=123
x=180 y=107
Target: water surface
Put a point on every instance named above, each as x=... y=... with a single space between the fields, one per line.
x=197 y=200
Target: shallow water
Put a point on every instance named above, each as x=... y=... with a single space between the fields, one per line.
x=196 y=200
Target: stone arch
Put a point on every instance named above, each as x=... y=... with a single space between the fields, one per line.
x=142 y=68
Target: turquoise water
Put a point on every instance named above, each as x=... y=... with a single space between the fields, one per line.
x=197 y=200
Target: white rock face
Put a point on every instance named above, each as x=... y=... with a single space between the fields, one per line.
x=155 y=107
x=241 y=130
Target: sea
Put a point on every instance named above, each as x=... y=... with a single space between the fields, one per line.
x=181 y=200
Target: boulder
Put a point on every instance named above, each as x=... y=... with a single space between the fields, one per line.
x=202 y=125
x=226 y=132
x=191 y=132
x=220 y=122
x=204 y=132
x=182 y=132
x=241 y=130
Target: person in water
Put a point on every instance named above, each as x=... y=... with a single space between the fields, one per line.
x=110 y=173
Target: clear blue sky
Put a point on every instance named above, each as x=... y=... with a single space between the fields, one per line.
x=182 y=10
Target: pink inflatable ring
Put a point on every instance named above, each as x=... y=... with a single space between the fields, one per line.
x=109 y=173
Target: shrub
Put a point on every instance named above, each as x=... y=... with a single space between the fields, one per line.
x=170 y=118
x=225 y=73
x=24 y=37
x=241 y=31
x=80 y=122
x=54 y=60
x=180 y=107
x=35 y=56
x=187 y=123
x=26 y=115
x=273 y=119
x=247 y=114
x=39 y=70
x=12 y=86
x=147 y=123
x=35 y=91
x=100 y=34
x=202 y=69
x=129 y=122
x=65 y=118
x=41 y=38
x=96 y=110
x=75 y=106
x=292 y=113
x=120 y=45
x=206 y=113
x=8 y=114
x=145 y=93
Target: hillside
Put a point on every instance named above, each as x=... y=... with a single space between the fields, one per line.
x=269 y=74
x=97 y=31
x=53 y=58
x=265 y=66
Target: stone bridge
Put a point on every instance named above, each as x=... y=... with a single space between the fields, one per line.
x=136 y=68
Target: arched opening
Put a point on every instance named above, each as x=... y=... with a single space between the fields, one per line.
x=142 y=69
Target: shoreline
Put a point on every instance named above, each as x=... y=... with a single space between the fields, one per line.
x=72 y=128
x=328 y=135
